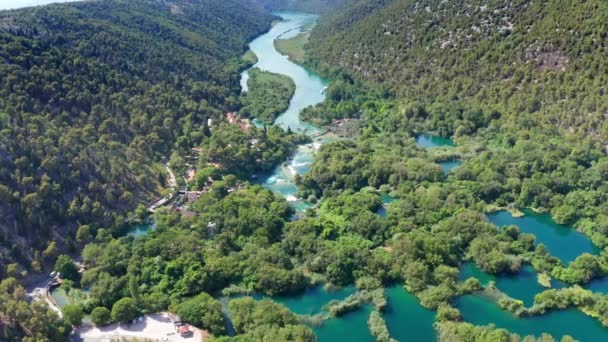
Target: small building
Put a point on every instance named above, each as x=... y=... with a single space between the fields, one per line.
x=190 y=175
x=232 y=118
x=193 y=196
x=184 y=330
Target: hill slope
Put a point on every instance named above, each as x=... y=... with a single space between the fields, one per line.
x=544 y=61
x=93 y=95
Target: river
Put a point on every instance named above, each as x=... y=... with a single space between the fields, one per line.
x=309 y=91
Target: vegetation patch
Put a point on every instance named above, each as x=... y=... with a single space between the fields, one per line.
x=293 y=47
x=268 y=95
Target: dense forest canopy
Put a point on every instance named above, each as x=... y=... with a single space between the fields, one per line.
x=541 y=61
x=268 y=95
x=94 y=95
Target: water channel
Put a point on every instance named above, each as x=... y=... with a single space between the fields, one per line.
x=309 y=91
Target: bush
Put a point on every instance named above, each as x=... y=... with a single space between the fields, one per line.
x=101 y=316
x=377 y=327
x=124 y=310
x=72 y=314
x=203 y=311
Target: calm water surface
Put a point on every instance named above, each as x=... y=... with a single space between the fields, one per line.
x=406 y=319
x=431 y=141
x=522 y=285
x=562 y=241
x=482 y=311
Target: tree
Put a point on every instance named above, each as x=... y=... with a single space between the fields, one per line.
x=101 y=316
x=50 y=251
x=83 y=234
x=72 y=314
x=66 y=267
x=124 y=310
x=203 y=311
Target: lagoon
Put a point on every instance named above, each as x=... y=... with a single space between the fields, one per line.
x=562 y=241
x=405 y=317
x=482 y=311
x=522 y=285
x=432 y=141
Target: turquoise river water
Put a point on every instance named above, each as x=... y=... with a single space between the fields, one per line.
x=309 y=91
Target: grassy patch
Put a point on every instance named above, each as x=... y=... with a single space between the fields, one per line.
x=293 y=47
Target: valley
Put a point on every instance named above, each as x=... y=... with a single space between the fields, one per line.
x=330 y=170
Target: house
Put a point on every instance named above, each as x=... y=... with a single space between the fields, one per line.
x=193 y=196
x=175 y=319
x=185 y=212
x=232 y=118
x=184 y=330
x=190 y=175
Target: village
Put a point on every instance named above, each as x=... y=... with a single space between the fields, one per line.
x=181 y=200
x=186 y=197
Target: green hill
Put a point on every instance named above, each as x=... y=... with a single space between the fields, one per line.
x=93 y=96
x=543 y=61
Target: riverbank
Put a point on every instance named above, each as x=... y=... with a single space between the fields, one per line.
x=308 y=92
x=293 y=47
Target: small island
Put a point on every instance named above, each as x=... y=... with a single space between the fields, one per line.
x=268 y=95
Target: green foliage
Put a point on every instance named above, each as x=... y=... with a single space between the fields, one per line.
x=204 y=312
x=584 y=268
x=350 y=303
x=245 y=152
x=124 y=310
x=108 y=88
x=378 y=328
x=456 y=331
x=447 y=313
x=524 y=62
x=72 y=314
x=67 y=268
x=266 y=321
x=101 y=316
x=268 y=95
x=35 y=320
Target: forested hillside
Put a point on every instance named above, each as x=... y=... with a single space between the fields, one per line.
x=94 y=95
x=540 y=61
